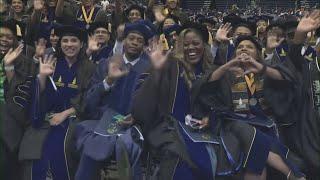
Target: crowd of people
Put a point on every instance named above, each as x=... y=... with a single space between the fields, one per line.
x=122 y=90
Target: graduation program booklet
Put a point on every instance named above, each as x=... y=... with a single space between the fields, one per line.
x=109 y=124
x=197 y=135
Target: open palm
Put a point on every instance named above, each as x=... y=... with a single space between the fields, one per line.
x=47 y=65
x=12 y=55
x=223 y=31
x=309 y=22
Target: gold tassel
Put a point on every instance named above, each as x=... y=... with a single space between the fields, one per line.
x=165 y=11
x=109 y=27
x=210 y=40
x=19 y=33
x=164 y=42
x=257 y=32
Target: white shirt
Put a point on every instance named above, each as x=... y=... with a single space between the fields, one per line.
x=107 y=87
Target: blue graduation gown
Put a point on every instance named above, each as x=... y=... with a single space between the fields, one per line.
x=93 y=142
x=104 y=53
x=53 y=160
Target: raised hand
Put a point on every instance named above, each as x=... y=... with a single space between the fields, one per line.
x=309 y=22
x=116 y=69
x=273 y=41
x=222 y=33
x=157 y=55
x=40 y=48
x=93 y=44
x=38 y=5
x=12 y=55
x=47 y=65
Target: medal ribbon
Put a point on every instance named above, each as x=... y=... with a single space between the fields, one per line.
x=250 y=83
x=84 y=13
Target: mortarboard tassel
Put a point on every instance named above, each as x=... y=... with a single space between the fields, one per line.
x=19 y=33
x=257 y=32
x=109 y=27
x=210 y=40
x=164 y=42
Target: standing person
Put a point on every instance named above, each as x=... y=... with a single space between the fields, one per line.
x=81 y=16
x=14 y=70
x=302 y=135
x=56 y=101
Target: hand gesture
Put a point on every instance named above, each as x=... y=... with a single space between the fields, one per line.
x=93 y=45
x=234 y=63
x=47 y=65
x=201 y=124
x=38 y=5
x=223 y=31
x=157 y=55
x=12 y=55
x=57 y=118
x=273 y=41
x=251 y=65
x=309 y=22
x=116 y=69
x=40 y=48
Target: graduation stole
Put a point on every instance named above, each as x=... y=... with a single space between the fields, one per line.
x=250 y=83
x=310 y=54
x=282 y=51
x=87 y=19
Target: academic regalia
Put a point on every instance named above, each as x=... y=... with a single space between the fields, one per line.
x=53 y=160
x=226 y=146
x=95 y=140
x=103 y=53
x=302 y=135
x=84 y=18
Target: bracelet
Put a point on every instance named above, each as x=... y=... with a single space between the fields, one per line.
x=9 y=68
x=263 y=70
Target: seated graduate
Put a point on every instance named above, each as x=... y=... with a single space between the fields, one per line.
x=56 y=101
x=99 y=45
x=14 y=70
x=177 y=86
x=108 y=104
x=301 y=134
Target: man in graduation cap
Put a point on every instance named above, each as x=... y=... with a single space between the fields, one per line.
x=56 y=96
x=108 y=103
x=99 y=46
x=14 y=69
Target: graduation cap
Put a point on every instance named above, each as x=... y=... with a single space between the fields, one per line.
x=280 y=23
x=249 y=38
x=16 y=28
x=136 y=7
x=143 y=27
x=208 y=20
x=200 y=28
x=47 y=30
x=174 y=28
x=243 y=23
x=68 y=30
x=100 y=24
x=231 y=18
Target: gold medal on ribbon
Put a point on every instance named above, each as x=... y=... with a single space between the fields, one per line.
x=87 y=18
